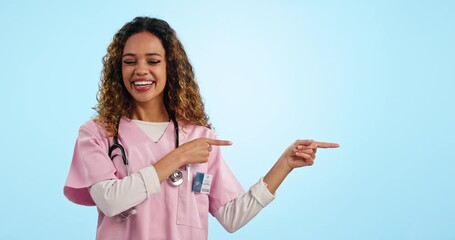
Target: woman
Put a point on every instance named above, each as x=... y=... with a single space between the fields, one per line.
x=149 y=161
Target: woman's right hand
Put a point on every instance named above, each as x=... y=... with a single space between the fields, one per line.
x=198 y=150
x=193 y=152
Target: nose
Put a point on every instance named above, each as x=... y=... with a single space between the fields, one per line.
x=141 y=69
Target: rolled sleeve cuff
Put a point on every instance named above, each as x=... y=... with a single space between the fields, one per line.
x=261 y=193
x=151 y=180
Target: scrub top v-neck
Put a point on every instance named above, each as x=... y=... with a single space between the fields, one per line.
x=154 y=130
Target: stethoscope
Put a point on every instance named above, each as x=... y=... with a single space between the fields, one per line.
x=175 y=179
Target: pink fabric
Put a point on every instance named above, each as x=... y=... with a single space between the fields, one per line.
x=176 y=212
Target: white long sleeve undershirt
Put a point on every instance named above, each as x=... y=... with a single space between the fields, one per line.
x=115 y=196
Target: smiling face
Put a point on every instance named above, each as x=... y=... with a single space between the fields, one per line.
x=144 y=69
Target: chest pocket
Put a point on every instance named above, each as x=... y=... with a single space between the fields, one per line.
x=192 y=208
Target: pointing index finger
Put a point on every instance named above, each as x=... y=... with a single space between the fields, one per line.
x=218 y=142
x=327 y=145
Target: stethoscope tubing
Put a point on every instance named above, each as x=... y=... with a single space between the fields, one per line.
x=117 y=144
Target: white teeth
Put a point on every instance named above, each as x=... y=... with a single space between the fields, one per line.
x=143 y=83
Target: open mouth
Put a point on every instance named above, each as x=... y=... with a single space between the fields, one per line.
x=142 y=83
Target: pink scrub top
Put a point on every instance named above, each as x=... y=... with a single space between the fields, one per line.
x=174 y=213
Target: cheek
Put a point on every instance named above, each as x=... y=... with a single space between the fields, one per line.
x=163 y=68
x=126 y=72
x=164 y=72
x=159 y=72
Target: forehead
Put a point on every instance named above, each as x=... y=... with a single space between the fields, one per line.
x=143 y=43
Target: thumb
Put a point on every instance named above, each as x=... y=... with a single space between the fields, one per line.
x=306 y=142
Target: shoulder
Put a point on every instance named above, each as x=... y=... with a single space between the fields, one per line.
x=93 y=128
x=197 y=131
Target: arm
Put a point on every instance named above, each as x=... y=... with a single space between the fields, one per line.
x=193 y=152
x=117 y=195
x=238 y=212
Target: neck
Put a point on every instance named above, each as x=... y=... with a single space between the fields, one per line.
x=156 y=113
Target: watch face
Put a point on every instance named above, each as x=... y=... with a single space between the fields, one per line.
x=176 y=178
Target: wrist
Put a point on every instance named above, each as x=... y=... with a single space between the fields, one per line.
x=179 y=157
x=277 y=174
x=282 y=165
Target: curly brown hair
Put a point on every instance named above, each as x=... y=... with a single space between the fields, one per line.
x=181 y=93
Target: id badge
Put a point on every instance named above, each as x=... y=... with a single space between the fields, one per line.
x=202 y=183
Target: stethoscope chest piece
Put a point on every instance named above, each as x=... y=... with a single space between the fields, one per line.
x=176 y=178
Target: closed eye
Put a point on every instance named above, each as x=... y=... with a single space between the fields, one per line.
x=129 y=62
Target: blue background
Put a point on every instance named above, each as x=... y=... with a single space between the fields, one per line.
x=375 y=76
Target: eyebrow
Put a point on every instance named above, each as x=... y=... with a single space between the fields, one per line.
x=147 y=54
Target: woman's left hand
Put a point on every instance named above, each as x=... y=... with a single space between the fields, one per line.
x=303 y=152
x=300 y=153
